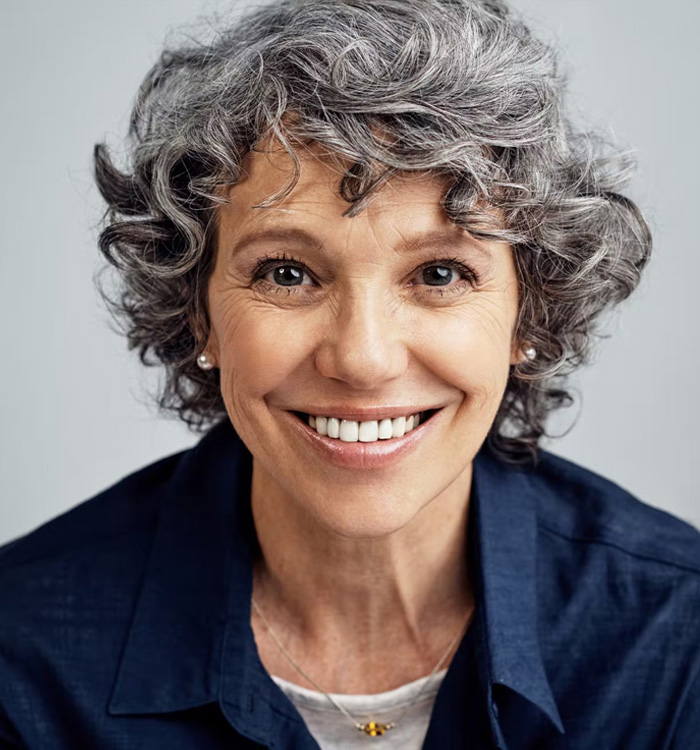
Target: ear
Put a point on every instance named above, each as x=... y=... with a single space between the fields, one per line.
x=517 y=353
x=211 y=348
x=207 y=340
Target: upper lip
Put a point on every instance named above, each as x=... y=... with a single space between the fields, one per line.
x=367 y=414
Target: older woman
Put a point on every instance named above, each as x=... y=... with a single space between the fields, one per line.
x=367 y=249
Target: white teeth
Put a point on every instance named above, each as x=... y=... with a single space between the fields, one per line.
x=350 y=431
x=369 y=432
x=398 y=427
x=333 y=427
x=385 y=429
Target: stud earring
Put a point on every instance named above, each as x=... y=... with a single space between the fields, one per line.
x=204 y=363
x=530 y=353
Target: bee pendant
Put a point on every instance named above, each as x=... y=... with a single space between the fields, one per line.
x=374 y=728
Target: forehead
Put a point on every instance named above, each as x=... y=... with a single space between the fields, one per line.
x=316 y=194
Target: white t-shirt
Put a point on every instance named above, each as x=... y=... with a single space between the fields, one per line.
x=334 y=731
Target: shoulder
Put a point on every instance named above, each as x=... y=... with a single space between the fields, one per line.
x=585 y=508
x=78 y=574
x=618 y=601
x=67 y=593
x=109 y=516
x=84 y=556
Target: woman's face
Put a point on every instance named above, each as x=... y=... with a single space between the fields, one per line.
x=387 y=314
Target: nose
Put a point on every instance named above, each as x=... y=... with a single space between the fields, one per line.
x=364 y=346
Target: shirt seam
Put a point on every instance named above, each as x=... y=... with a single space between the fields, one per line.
x=614 y=545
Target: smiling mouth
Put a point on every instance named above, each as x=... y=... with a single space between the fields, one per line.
x=371 y=431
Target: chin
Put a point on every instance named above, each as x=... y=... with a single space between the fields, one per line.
x=361 y=514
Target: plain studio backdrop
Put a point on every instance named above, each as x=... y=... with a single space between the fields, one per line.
x=76 y=413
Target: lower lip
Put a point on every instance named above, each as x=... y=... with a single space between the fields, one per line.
x=358 y=455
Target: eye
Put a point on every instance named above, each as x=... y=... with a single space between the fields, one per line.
x=452 y=274
x=282 y=272
x=285 y=276
x=439 y=275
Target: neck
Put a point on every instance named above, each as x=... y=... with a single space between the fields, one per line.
x=405 y=594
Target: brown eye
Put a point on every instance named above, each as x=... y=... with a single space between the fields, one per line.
x=439 y=275
x=287 y=276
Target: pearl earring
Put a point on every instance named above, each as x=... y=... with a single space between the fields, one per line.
x=530 y=353
x=204 y=363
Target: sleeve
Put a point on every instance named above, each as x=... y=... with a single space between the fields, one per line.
x=9 y=739
x=687 y=729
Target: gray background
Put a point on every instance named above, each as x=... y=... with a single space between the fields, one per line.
x=75 y=404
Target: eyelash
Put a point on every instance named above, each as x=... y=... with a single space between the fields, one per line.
x=270 y=262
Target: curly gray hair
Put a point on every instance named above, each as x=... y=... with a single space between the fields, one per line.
x=462 y=90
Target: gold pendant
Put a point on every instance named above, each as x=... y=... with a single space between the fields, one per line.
x=374 y=728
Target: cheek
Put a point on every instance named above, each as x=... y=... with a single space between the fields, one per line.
x=258 y=349
x=470 y=350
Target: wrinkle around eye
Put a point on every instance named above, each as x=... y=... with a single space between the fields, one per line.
x=314 y=288
x=296 y=295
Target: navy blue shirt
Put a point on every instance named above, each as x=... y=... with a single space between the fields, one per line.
x=125 y=622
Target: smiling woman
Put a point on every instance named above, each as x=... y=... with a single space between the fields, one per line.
x=367 y=248
x=384 y=315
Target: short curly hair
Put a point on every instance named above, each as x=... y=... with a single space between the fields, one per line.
x=462 y=90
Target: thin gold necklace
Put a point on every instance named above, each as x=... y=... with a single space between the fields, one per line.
x=372 y=728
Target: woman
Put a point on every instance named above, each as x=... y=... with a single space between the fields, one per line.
x=367 y=248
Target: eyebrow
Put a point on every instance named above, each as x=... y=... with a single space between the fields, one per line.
x=441 y=238
x=272 y=234
x=444 y=238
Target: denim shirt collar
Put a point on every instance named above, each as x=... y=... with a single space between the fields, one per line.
x=506 y=536
x=190 y=641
